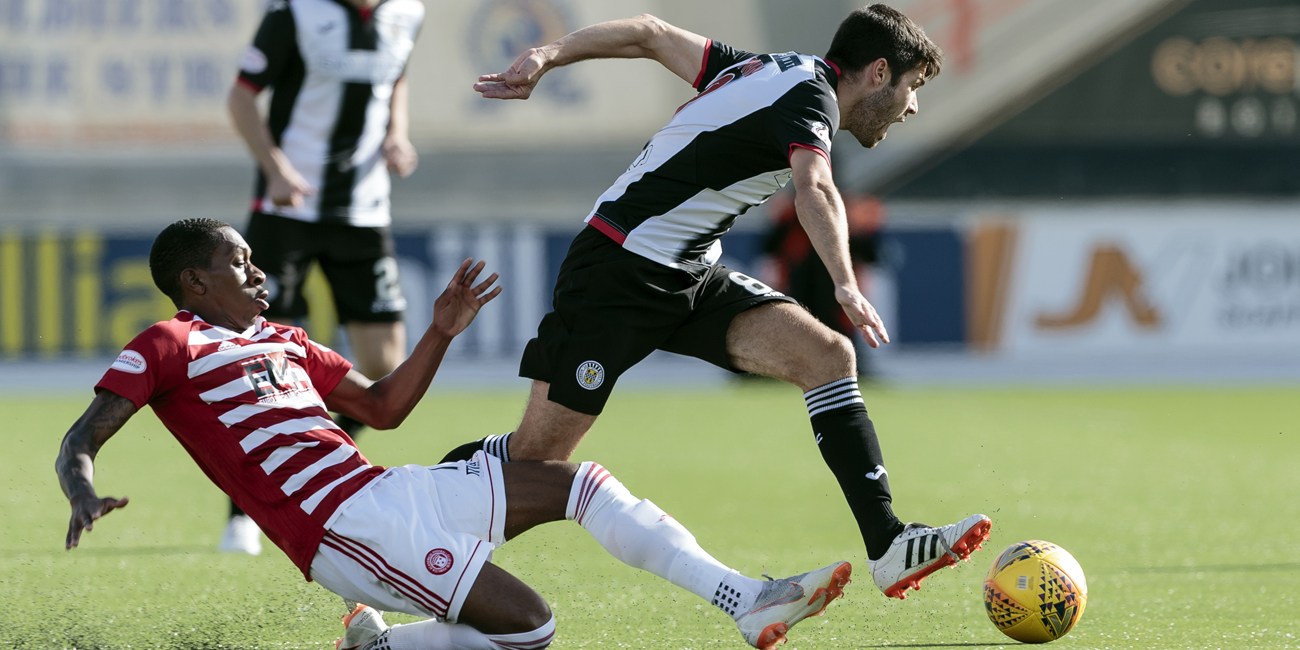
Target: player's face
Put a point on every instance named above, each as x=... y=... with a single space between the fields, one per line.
x=871 y=117
x=234 y=284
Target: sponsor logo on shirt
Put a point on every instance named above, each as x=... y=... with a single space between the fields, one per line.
x=130 y=361
x=439 y=561
x=275 y=378
x=787 y=60
x=253 y=61
x=822 y=132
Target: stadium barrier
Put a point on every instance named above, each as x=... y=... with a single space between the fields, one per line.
x=1128 y=279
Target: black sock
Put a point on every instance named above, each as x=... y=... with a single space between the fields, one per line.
x=235 y=511
x=350 y=426
x=847 y=439
x=498 y=446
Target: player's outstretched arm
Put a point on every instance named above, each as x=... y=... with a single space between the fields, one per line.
x=821 y=212
x=642 y=37
x=75 y=465
x=384 y=404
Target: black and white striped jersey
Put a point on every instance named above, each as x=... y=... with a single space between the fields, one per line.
x=332 y=68
x=724 y=152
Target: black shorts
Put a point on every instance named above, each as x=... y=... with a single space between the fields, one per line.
x=612 y=308
x=358 y=262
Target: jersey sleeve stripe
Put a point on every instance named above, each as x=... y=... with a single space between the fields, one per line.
x=245 y=82
x=809 y=147
x=704 y=65
x=300 y=479
x=314 y=500
x=613 y=233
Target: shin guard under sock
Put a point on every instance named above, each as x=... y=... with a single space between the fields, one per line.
x=640 y=534
x=847 y=440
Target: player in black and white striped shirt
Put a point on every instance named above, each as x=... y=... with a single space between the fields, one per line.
x=337 y=125
x=645 y=275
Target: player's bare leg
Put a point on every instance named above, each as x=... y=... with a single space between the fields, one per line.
x=548 y=431
x=378 y=347
x=784 y=341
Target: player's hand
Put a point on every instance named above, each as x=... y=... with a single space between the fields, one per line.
x=84 y=513
x=401 y=156
x=287 y=187
x=456 y=308
x=862 y=315
x=517 y=82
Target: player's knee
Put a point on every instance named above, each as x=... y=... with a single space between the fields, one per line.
x=540 y=636
x=540 y=618
x=836 y=359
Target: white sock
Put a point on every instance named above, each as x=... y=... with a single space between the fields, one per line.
x=498 y=446
x=433 y=635
x=639 y=534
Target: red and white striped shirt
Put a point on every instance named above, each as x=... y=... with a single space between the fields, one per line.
x=249 y=408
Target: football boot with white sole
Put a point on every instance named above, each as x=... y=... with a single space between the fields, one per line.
x=241 y=536
x=361 y=628
x=783 y=603
x=921 y=550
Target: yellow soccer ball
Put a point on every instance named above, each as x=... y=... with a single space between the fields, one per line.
x=1035 y=592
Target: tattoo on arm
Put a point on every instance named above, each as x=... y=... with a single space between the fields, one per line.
x=75 y=465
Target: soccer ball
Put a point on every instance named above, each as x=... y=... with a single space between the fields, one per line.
x=1035 y=592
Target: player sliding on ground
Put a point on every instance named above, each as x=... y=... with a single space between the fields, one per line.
x=644 y=274
x=248 y=400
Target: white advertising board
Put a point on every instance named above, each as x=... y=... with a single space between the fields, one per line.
x=1149 y=279
x=79 y=72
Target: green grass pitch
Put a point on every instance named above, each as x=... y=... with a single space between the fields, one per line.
x=1183 y=506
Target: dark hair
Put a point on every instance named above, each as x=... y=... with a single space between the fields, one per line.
x=186 y=244
x=882 y=32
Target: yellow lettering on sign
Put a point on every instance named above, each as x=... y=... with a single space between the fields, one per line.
x=1110 y=275
x=11 y=294
x=322 y=320
x=144 y=304
x=49 y=294
x=1221 y=66
x=87 y=291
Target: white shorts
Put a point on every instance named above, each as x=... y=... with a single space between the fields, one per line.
x=416 y=539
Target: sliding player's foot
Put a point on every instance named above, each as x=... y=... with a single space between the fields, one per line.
x=921 y=550
x=782 y=603
x=241 y=536
x=362 y=627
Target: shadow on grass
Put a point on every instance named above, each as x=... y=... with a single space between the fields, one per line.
x=938 y=645
x=111 y=551
x=1215 y=568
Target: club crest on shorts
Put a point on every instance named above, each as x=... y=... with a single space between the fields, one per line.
x=438 y=561
x=591 y=375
